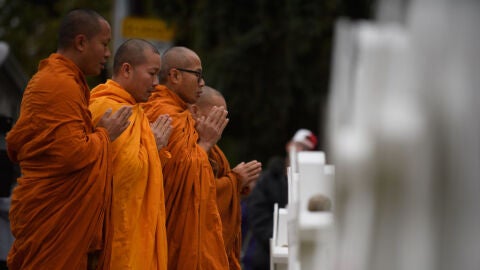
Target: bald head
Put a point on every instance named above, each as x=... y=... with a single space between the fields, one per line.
x=77 y=22
x=132 y=51
x=173 y=58
x=210 y=97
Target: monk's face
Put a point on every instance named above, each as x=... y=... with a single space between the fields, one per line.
x=98 y=52
x=191 y=84
x=145 y=76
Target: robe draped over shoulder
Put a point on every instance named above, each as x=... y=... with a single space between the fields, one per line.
x=228 y=201
x=61 y=206
x=194 y=228
x=138 y=209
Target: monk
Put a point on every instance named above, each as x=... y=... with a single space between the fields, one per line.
x=231 y=184
x=61 y=206
x=138 y=209
x=194 y=228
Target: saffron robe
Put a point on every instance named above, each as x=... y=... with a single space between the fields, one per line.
x=138 y=209
x=194 y=228
x=61 y=206
x=228 y=202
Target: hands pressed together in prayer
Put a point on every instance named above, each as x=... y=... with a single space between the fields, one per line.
x=162 y=129
x=117 y=122
x=248 y=173
x=210 y=128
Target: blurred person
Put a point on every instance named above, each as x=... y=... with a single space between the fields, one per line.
x=6 y=237
x=248 y=242
x=194 y=228
x=138 y=207
x=271 y=188
x=60 y=207
x=8 y=175
x=231 y=184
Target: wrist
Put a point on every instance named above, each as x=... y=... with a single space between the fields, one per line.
x=205 y=145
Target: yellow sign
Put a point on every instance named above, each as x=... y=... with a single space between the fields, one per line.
x=151 y=29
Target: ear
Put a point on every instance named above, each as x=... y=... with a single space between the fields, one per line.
x=175 y=76
x=80 y=42
x=194 y=110
x=288 y=146
x=126 y=70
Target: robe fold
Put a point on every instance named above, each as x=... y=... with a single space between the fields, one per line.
x=138 y=209
x=228 y=202
x=61 y=206
x=194 y=228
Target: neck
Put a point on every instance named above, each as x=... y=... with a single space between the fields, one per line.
x=71 y=56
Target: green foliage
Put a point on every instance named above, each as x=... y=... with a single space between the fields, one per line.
x=31 y=27
x=270 y=59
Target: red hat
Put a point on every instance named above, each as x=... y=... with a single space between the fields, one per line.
x=305 y=137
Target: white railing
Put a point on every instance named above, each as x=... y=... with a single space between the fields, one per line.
x=304 y=239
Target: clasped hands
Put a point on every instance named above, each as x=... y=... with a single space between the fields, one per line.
x=210 y=128
x=248 y=173
x=162 y=129
x=115 y=123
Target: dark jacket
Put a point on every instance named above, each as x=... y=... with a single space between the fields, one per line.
x=271 y=188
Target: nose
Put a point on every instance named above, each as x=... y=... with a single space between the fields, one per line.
x=108 y=53
x=201 y=82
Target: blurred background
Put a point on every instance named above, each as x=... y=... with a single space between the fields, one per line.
x=271 y=59
x=389 y=86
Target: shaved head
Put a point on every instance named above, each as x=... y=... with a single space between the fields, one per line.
x=208 y=96
x=132 y=51
x=173 y=58
x=78 y=22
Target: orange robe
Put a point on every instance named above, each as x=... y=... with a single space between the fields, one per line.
x=194 y=228
x=138 y=209
x=61 y=207
x=228 y=201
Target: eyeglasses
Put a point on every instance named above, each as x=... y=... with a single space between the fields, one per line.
x=197 y=73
